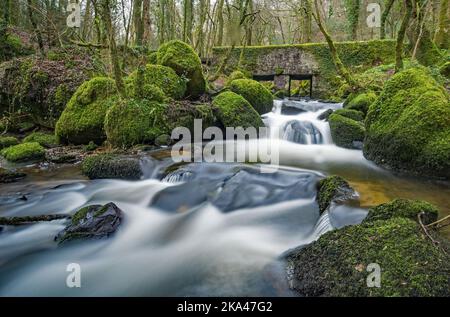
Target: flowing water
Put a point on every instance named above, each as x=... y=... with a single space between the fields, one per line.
x=206 y=229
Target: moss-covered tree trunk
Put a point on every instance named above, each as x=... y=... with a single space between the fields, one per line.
x=384 y=16
x=107 y=20
x=401 y=36
x=220 y=23
x=146 y=22
x=188 y=20
x=353 y=7
x=340 y=67
x=442 y=36
x=137 y=22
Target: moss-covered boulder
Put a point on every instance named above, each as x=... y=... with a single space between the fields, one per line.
x=338 y=263
x=111 y=166
x=351 y=114
x=404 y=208
x=7 y=141
x=134 y=121
x=334 y=189
x=44 y=139
x=255 y=93
x=92 y=222
x=346 y=132
x=408 y=127
x=362 y=102
x=182 y=58
x=31 y=151
x=232 y=110
x=237 y=74
x=41 y=86
x=82 y=120
x=160 y=76
x=183 y=113
x=153 y=58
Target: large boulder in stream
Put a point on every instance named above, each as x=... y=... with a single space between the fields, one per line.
x=92 y=222
x=255 y=93
x=339 y=263
x=232 y=186
x=345 y=131
x=109 y=165
x=408 y=127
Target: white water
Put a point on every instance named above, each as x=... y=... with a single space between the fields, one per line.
x=200 y=252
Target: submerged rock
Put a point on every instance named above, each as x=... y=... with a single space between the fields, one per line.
x=232 y=186
x=334 y=189
x=338 y=263
x=92 y=222
x=302 y=132
x=7 y=176
x=112 y=166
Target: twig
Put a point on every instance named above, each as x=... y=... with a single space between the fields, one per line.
x=439 y=221
x=419 y=217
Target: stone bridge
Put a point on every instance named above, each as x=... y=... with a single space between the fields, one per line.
x=312 y=61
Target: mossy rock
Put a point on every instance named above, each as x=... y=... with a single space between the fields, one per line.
x=8 y=176
x=182 y=58
x=7 y=141
x=82 y=120
x=404 y=208
x=333 y=189
x=183 y=113
x=131 y=122
x=147 y=91
x=111 y=166
x=237 y=74
x=337 y=263
x=31 y=151
x=351 y=114
x=160 y=76
x=408 y=127
x=44 y=139
x=13 y=47
x=346 y=132
x=361 y=102
x=232 y=110
x=153 y=58
x=255 y=93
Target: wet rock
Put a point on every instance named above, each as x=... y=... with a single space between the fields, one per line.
x=302 y=132
x=232 y=186
x=334 y=189
x=8 y=176
x=92 y=222
x=62 y=155
x=324 y=115
x=112 y=166
x=17 y=221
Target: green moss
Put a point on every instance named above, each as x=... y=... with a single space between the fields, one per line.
x=182 y=58
x=183 y=114
x=404 y=208
x=332 y=188
x=80 y=215
x=445 y=70
x=361 y=102
x=408 y=127
x=131 y=122
x=44 y=139
x=13 y=47
x=148 y=91
x=82 y=120
x=91 y=146
x=153 y=58
x=31 y=151
x=233 y=110
x=345 y=131
x=108 y=165
x=351 y=114
x=336 y=264
x=7 y=141
x=237 y=74
x=160 y=76
x=255 y=93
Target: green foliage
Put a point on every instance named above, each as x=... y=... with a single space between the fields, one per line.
x=162 y=77
x=31 y=151
x=182 y=58
x=445 y=70
x=153 y=58
x=255 y=93
x=82 y=120
x=335 y=265
x=131 y=122
x=404 y=208
x=44 y=139
x=108 y=165
x=408 y=127
x=361 y=102
x=7 y=141
x=233 y=110
x=346 y=131
x=12 y=47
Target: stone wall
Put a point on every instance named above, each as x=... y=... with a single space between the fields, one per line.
x=306 y=59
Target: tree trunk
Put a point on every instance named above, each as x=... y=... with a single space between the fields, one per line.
x=340 y=67
x=188 y=20
x=137 y=22
x=146 y=22
x=5 y=21
x=384 y=17
x=401 y=36
x=443 y=34
x=352 y=7
x=106 y=12
x=33 y=22
x=220 y=23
